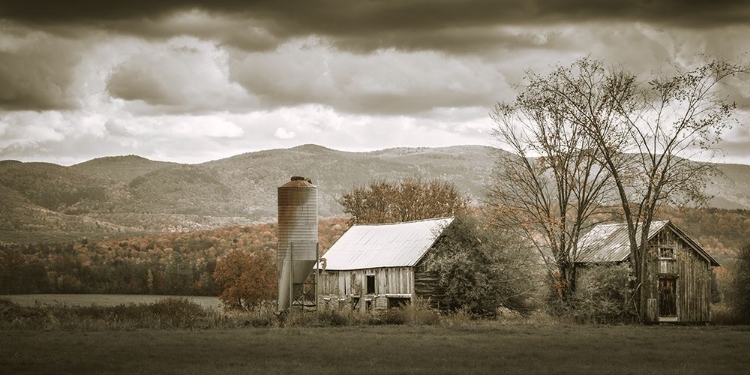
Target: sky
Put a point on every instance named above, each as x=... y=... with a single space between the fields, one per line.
x=193 y=81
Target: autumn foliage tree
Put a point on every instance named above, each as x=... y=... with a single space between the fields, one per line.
x=406 y=200
x=246 y=278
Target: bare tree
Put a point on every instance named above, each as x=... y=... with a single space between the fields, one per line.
x=551 y=184
x=645 y=132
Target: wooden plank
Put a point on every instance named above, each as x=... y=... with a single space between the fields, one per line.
x=652 y=310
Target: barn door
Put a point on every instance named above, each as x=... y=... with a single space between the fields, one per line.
x=667 y=298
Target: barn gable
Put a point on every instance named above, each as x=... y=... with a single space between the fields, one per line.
x=384 y=245
x=678 y=270
x=376 y=266
x=607 y=243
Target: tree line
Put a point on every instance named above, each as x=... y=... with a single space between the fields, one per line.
x=166 y=264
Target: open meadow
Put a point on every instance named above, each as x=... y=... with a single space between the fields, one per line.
x=473 y=348
x=180 y=336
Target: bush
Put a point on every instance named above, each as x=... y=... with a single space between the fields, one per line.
x=740 y=287
x=481 y=269
x=418 y=313
x=168 y=313
x=602 y=295
x=246 y=279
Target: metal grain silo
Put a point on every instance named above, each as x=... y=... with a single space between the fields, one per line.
x=298 y=238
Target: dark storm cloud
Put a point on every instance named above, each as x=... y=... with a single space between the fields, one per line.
x=409 y=14
x=241 y=32
x=31 y=82
x=374 y=21
x=36 y=70
x=132 y=82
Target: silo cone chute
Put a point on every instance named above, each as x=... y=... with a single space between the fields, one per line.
x=298 y=240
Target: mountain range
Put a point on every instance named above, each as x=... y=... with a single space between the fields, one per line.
x=129 y=194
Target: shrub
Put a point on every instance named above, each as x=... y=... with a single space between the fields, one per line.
x=247 y=279
x=740 y=287
x=164 y=314
x=418 y=313
x=481 y=269
x=334 y=317
x=602 y=295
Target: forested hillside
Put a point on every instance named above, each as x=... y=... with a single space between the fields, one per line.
x=171 y=263
x=120 y=168
x=182 y=263
x=117 y=196
x=129 y=195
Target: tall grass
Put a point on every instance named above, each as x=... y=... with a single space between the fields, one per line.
x=181 y=313
x=168 y=313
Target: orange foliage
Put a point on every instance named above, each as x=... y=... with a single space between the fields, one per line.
x=246 y=279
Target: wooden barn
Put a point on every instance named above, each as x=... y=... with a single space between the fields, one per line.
x=379 y=266
x=678 y=284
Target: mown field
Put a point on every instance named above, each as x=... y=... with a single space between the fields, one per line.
x=474 y=348
x=59 y=334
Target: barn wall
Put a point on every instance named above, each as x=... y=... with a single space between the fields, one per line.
x=392 y=282
x=427 y=286
x=691 y=271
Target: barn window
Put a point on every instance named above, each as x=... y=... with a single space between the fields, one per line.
x=370 y=284
x=666 y=252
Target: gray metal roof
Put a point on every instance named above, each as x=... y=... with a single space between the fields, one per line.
x=384 y=245
x=610 y=243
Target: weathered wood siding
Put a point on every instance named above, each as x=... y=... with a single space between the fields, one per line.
x=389 y=282
x=691 y=271
x=427 y=286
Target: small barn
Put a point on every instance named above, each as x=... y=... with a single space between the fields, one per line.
x=380 y=266
x=678 y=282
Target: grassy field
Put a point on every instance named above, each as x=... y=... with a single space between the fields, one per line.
x=178 y=336
x=474 y=348
x=103 y=299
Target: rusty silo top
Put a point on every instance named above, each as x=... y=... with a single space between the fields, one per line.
x=298 y=181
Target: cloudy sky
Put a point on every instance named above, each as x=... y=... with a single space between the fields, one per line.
x=192 y=81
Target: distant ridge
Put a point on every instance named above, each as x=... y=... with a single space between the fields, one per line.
x=130 y=193
x=120 y=168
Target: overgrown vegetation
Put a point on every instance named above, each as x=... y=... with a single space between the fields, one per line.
x=181 y=313
x=169 y=313
x=603 y=295
x=481 y=270
x=740 y=287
